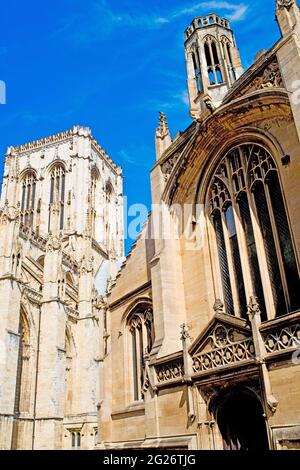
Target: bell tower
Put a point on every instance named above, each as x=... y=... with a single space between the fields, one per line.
x=213 y=62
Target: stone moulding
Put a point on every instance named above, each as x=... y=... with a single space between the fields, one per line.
x=224 y=356
x=169 y=371
x=282 y=338
x=33 y=296
x=219 y=348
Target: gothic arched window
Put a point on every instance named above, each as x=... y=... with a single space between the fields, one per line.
x=141 y=328
x=22 y=396
x=227 y=53
x=57 y=193
x=28 y=199
x=247 y=210
x=94 y=184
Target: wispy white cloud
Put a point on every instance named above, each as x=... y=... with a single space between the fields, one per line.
x=101 y=20
x=235 y=11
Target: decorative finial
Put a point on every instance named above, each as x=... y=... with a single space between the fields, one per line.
x=163 y=136
x=163 y=127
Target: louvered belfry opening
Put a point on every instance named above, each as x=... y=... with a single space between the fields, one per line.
x=247 y=208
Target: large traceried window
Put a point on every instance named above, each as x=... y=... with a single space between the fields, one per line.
x=247 y=210
x=142 y=337
x=57 y=193
x=28 y=199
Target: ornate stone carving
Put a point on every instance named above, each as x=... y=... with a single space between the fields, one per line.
x=72 y=313
x=223 y=347
x=168 y=166
x=283 y=338
x=9 y=213
x=170 y=371
x=269 y=77
x=70 y=262
x=86 y=265
x=33 y=296
x=27 y=234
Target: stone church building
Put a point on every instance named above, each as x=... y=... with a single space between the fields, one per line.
x=192 y=342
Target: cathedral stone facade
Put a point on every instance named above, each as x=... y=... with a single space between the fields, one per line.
x=61 y=221
x=194 y=342
x=203 y=329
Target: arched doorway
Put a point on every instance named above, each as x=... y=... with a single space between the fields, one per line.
x=241 y=421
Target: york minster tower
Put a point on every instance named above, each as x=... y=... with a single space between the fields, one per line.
x=61 y=223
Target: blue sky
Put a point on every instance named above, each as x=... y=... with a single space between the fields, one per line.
x=110 y=65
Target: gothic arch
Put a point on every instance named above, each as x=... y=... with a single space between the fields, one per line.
x=248 y=134
x=28 y=171
x=109 y=188
x=27 y=197
x=95 y=173
x=140 y=302
x=139 y=337
x=207 y=139
x=23 y=382
x=240 y=416
x=56 y=163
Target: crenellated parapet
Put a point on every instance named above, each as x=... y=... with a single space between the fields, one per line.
x=205 y=22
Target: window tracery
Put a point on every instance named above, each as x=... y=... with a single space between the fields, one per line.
x=246 y=193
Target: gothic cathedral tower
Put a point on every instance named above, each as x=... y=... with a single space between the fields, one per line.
x=61 y=220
